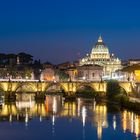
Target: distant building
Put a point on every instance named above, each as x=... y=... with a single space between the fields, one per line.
x=100 y=56
x=64 y=65
x=72 y=72
x=85 y=73
x=47 y=65
x=133 y=62
x=89 y=73
x=124 y=63
x=75 y=63
x=67 y=65
x=48 y=74
x=132 y=72
x=120 y=75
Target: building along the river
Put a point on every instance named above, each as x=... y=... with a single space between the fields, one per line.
x=101 y=56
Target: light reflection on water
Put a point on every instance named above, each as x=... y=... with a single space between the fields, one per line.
x=94 y=119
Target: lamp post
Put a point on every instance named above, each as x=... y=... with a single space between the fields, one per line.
x=40 y=72
x=84 y=78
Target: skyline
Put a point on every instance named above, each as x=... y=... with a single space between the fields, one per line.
x=57 y=31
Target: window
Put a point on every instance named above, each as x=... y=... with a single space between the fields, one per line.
x=93 y=74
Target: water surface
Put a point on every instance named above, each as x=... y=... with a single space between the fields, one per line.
x=57 y=119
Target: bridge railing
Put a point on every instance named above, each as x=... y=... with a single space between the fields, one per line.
x=79 y=81
x=18 y=80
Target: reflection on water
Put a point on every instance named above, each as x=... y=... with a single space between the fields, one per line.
x=131 y=122
x=88 y=112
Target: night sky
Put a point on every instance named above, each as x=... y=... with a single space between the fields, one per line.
x=60 y=30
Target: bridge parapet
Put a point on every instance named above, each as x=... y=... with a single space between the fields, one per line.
x=67 y=86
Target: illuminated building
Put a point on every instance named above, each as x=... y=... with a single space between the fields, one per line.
x=85 y=72
x=100 y=56
x=72 y=72
x=89 y=72
x=132 y=72
x=48 y=74
x=133 y=62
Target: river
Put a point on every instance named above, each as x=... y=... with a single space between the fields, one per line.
x=57 y=119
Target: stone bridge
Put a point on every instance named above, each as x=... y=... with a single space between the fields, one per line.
x=68 y=87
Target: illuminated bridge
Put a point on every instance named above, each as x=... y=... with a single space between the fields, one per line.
x=67 y=87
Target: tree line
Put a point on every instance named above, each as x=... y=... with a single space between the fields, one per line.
x=11 y=59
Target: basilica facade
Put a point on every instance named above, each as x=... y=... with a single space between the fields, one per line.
x=101 y=56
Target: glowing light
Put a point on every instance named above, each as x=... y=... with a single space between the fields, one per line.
x=84 y=114
x=40 y=118
x=99 y=132
x=132 y=122
x=137 y=126
x=53 y=120
x=10 y=118
x=114 y=122
x=79 y=101
x=26 y=118
x=84 y=78
x=54 y=105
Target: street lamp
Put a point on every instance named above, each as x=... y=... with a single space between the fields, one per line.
x=54 y=79
x=84 y=78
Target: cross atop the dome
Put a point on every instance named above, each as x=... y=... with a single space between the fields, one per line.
x=100 y=39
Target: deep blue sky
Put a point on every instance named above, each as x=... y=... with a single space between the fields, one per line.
x=56 y=30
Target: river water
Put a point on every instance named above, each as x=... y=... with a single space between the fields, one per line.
x=57 y=119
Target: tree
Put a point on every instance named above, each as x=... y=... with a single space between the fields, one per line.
x=25 y=58
x=113 y=88
x=37 y=67
x=12 y=71
x=11 y=59
x=2 y=58
x=3 y=73
x=115 y=92
x=62 y=75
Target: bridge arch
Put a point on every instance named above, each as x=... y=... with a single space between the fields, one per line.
x=126 y=87
x=57 y=86
x=86 y=90
x=2 y=91
x=2 y=88
x=84 y=85
x=26 y=87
